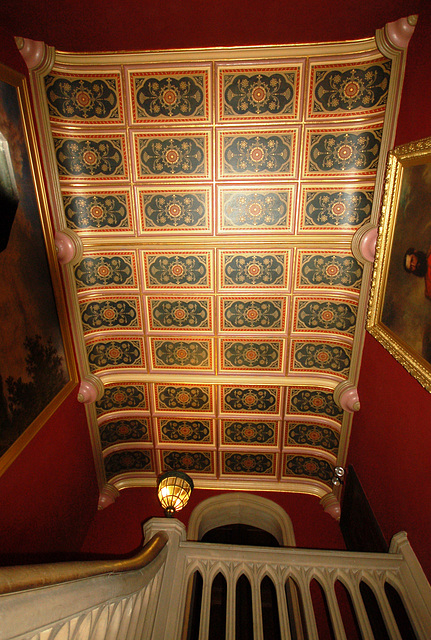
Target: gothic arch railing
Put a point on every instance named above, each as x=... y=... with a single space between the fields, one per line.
x=399 y=567
x=151 y=603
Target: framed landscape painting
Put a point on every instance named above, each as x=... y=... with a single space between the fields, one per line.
x=399 y=313
x=37 y=369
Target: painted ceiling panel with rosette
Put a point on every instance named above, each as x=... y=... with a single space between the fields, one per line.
x=215 y=195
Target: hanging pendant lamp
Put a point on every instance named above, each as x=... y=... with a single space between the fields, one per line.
x=173 y=490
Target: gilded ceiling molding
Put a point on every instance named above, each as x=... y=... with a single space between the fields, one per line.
x=346 y=396
x=364 y=243
x=40 y=58
x=131 y=479
x=211 y=378
x=144 y=279
x=392 y=41
x=241 y=508
x=331 y=506
x=107 y=496
x=68 y=247
x=91 y=389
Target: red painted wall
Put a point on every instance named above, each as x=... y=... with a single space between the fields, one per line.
x=49 y=494
x=141 y=24
x=391 y=463
x=390 y=445
x=118 y=528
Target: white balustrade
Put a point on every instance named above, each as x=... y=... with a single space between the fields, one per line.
x=399 y=568
x=149 y=604
x=115 y=606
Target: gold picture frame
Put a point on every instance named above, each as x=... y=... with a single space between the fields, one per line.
x=399 y=312
x=37 y=364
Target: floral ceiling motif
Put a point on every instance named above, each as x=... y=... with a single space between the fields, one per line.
x=215 y=196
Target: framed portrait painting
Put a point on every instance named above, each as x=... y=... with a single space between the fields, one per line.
x=37 y=369
x=399 y=313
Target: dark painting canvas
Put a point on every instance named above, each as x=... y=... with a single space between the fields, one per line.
x=407 y=306
x=399 y=312
x=33 y=364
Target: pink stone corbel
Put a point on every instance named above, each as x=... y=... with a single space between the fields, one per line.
x=107 y=496
x=395 y=36
x=346 y=396
x=364 y=243
x=37 y=55
x=400 y=31
x=331 y=505
x=368 y=243
x=68 y=246
x=91 y=389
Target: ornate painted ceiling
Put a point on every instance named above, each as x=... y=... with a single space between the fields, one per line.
x=216 y=299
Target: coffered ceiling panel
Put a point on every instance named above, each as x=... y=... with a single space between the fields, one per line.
x=214 y=196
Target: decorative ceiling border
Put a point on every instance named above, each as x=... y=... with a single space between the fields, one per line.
x=391 y=41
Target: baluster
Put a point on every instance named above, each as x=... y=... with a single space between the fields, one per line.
x=149 y=606
x=386 y=611
x=144 y=618
x=115 y=618
x=283 y=614
x=230 y=604
x=361 y=612
x=206 y=603
x=105 y=626
x=52 y=633
x=303 y=582
x=88 y=624
x=334 y=610
x=137 y=613
x=82 y=626
x=57 y=632
x=256 y=604
x=128 y=606
x=100 y=622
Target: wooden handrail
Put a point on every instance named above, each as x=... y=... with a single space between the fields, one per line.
x=25 y=577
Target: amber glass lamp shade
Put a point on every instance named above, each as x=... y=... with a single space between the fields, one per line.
x=173 y=490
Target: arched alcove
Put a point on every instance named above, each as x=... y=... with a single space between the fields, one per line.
x=241 y=508
x=240 y=534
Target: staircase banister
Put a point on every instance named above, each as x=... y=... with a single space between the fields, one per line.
x=21 y=578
